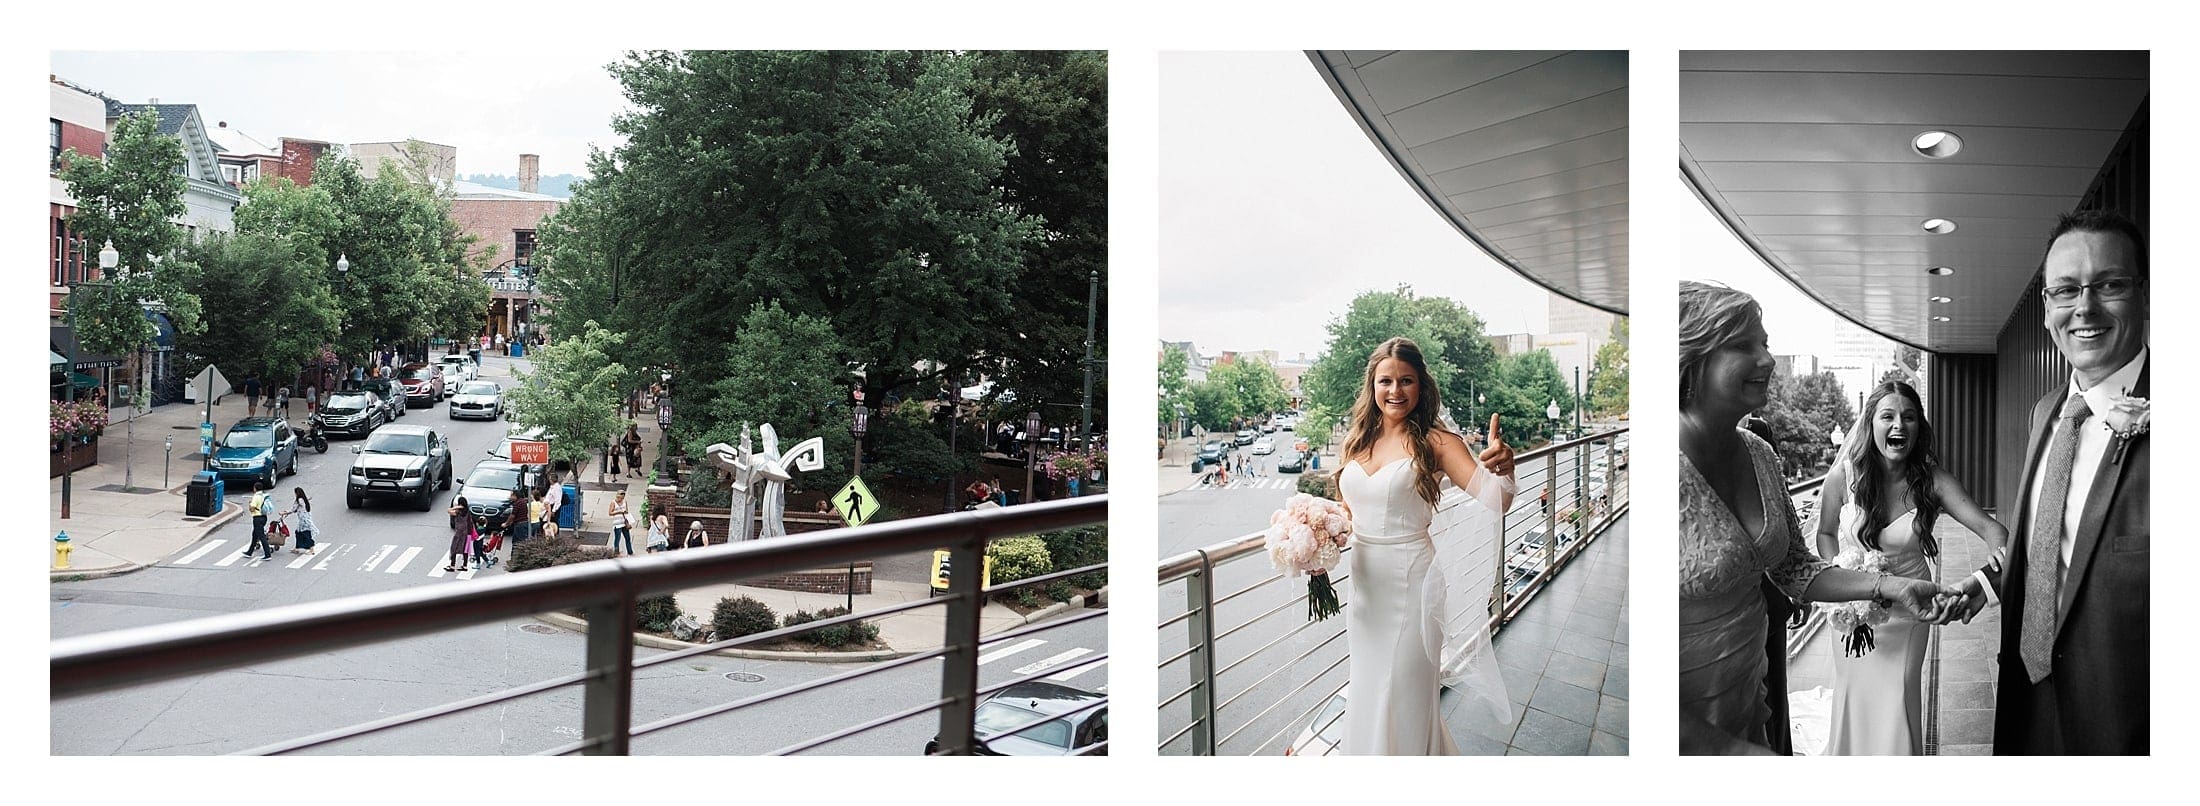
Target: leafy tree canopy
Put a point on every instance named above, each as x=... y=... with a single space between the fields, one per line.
x=573 y=392
x=131 y=199
x=269 y=309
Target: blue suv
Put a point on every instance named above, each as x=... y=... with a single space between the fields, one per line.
x=256 y=449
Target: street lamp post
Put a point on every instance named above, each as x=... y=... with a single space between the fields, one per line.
x=1031 y=451
x=1092 y=302
x=1551 y=411
x=861 y=426
x=343 y=284
x=1577 y=402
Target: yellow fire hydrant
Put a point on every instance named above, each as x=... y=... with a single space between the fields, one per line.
x=61 y=551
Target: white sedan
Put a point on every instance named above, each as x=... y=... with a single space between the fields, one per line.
x=1264 y=447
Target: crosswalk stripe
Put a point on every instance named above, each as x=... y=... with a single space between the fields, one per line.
x=377 y=558
x=402 y=560
x=436 y=570
x=1058 y=659
x=466 y=574
x=203 y=551
x=1065 y=676
x=330 y=553
x=1006 y=651
x=300 y=562
x=231 y=558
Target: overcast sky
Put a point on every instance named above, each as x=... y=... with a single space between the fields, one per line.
x=1797 y=324
x=1276 y=210
x=492 y=105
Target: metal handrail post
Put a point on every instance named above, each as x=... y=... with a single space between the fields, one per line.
x=607 y=699
x=959 y=667
x=1550 y=511
x=1200 y=594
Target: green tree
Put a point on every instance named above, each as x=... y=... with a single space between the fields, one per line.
x=1531 y=382
x=269 y=309
x=572 y=393
x=1804 y=411
x=1252 y=387
x=780 y=370
x=1608 y=382
x=1334 y=382
x=131 y=199
x=1175 y=387
x=867 y=189
x=1213 y=407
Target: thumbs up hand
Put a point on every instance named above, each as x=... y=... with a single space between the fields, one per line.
x=1498 y=457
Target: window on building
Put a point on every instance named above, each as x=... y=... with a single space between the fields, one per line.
x=60 y=251
x=231 y=175
x=523 y=247
x=53 y=143
x=251 y=173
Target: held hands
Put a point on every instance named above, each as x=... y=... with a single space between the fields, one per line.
x=1498 y=457
x=1931 y=601
x=1964 y=603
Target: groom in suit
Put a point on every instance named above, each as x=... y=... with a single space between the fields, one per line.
x=2073 y=586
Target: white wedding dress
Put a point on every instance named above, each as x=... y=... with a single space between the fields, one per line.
x=1878 y=699
x=1407 y=635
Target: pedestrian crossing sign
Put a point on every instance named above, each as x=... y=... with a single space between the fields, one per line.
x=855 y=502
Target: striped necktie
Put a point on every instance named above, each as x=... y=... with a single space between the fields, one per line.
x=2043 y=566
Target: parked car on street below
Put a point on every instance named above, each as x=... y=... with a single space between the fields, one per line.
x=1212 y=452
x=1246 y=436
x=256 y=449
x=488 y=487
x=1264 y=446
x=391 y=392
x=353 y=414
x=1296 y=464
x=464 y=364
x=1025 y=703
x=423 y=383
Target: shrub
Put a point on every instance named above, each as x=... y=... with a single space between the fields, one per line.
x=528 y=555
x=833 y=636
x=1077 y=548
x=1323 y=485
x=744 y=616
x=656 y=613
x=1017 y=558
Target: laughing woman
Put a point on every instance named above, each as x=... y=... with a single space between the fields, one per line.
x=1884 y=496
x=1738 y=526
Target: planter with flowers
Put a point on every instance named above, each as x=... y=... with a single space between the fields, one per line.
x=73 y=431
x=1073 y=466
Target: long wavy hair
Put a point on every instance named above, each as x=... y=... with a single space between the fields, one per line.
x=1710 y=317
x=1866 y=471
x=1367 y=418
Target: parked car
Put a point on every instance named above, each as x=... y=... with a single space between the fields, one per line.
x=353 y=414
x=391 y=392
x=481 y=400
x=464 y=363
x=1297 y=463
x=1246 y=436
x=423 y=383
x=1264 y=446
x=400 y=461
x=488 y=487
x=256 y=449
x=1322 y=732
x=1212 y=452
x=453 y=375
x=1025 y=703
x=1268 y=427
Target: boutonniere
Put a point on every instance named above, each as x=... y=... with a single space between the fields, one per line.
x=2128 y=418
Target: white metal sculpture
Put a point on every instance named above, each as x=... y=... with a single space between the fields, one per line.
x=746 y=467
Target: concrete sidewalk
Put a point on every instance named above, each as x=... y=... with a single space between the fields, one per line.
x=115 y=531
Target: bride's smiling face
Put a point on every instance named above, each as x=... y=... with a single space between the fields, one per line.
x=1897 y=426
x=1396 y=389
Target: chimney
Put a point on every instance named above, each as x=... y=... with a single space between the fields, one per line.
x=530 y=172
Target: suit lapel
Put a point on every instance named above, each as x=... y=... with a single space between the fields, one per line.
x=2099 y=500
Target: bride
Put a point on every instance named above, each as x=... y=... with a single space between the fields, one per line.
x=1888 y=490
x=1397 y=623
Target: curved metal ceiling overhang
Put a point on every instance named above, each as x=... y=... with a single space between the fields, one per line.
x=1808 y=158
x=1525 y=153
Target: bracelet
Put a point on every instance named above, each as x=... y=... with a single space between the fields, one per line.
x=1876 y=595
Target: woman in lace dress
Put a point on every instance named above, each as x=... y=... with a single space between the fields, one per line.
x=1738 y=526
x=1394 y=628
x=1885 y=495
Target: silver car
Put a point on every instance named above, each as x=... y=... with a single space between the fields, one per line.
x=477 y=400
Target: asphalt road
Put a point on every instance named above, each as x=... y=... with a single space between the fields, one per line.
x=386 y=546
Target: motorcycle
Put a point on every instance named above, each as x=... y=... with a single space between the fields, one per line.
x=314 y=437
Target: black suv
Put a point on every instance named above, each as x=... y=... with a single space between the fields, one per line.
x=353 y=414
x=400 y=461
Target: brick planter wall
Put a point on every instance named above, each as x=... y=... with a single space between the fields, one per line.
x=86 y=455
x=716 y=523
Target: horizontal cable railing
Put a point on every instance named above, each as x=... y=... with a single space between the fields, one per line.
x=1804 y=495
x=607 y=592
x=1570 y=492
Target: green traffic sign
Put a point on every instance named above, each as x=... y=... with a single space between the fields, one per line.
x=855 y=502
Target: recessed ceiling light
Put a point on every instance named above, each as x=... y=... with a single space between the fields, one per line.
x=1940 y=319
x=1940 y=270
x=1937 y=144
x=1942 y=300
x=1939 y=226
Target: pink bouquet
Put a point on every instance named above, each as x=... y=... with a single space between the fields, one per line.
x=1307 y=536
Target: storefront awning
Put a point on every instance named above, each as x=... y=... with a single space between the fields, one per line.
x=62 y=340
x=164 y=335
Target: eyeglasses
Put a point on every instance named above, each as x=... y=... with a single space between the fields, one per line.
x=2113 y=288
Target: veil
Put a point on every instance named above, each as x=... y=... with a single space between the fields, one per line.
x=1460 y=587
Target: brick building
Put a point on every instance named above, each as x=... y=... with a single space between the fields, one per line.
x=505 y=221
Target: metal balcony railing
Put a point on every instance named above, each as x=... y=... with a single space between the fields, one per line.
x=1226 y=683
x=1804 y=495
x=607 y=590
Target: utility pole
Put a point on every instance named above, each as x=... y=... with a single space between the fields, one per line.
x=1092 y=303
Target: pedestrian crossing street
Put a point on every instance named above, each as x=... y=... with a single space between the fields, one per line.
x=1259 y=483
x=1040 y=664
x=356 y=557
